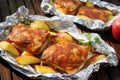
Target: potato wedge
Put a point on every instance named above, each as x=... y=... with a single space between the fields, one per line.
x=10 y=48
x=26 y=58
x=39 y=24
x=44 y=69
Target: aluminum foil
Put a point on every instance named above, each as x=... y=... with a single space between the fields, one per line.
x=59 y=24
x=92 y=24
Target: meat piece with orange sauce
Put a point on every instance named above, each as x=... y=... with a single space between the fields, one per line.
x=67 y=6
x=93 y=13
x=66 y=56
x=29 y=39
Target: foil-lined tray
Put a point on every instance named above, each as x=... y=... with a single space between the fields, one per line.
x=92 y=24
x=59 y=24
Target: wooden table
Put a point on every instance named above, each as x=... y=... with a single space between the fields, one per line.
x=8 y=7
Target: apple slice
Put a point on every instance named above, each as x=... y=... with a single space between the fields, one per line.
x=39 y=24
x=10 y=48
x=21 y=24
x=61 y=10
x=62 y=36
x=83 y=17
x=51 y=2
x=89 y=4
x=25 y=53
x=26 y=58
x=53 y=33
x=45 y=69
x=96 y=57
x=109 y=12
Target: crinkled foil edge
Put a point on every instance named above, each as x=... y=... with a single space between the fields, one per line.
x=67 y=26
x=96 y=25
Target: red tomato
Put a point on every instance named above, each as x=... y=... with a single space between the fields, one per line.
x=116 y=29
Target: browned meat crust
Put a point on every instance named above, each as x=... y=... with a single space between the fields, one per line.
x=29 y=39
x=66 y=56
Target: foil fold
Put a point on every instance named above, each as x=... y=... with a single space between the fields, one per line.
x=59 y=24
x=92 y=24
